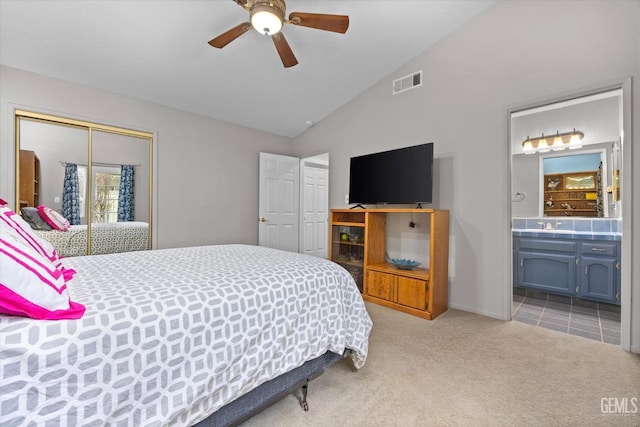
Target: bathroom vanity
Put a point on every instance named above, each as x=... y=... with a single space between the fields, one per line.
x=574 y=263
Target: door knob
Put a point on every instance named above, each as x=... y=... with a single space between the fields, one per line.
x=263 y=219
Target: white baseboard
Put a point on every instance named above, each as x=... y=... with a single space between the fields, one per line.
x=480 y=312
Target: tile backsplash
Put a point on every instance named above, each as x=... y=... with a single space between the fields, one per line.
x=595 y=225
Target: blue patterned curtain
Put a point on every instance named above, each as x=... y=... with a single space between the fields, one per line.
x=71 y=194
x=125 y=196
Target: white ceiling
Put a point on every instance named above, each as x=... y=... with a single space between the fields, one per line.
x=157 y=51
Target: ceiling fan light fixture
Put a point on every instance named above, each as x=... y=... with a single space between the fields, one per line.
x=266 y=19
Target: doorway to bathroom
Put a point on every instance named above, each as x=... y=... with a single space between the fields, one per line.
x=567 y=215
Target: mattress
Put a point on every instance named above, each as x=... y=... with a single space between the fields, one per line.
x=106 y=238
x=170 y=336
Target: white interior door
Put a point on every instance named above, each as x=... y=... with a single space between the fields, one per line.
x=315 y=203
x=279 y=202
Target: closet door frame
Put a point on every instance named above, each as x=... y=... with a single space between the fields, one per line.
x=90 y=127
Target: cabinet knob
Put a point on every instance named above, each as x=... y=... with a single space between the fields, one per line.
x=618 y=265
x=263 y=219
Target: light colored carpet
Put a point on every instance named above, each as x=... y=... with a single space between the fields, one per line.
x=463 y=369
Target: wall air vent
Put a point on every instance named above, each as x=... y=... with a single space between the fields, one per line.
x=407 y=82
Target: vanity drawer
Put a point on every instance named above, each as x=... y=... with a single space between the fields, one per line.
x=601 y=249
x=548 y=245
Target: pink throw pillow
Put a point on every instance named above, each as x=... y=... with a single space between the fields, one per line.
x=53 y=218
x=31 y=283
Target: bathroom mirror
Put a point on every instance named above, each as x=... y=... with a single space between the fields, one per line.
x=98 y=177
x=576 y=182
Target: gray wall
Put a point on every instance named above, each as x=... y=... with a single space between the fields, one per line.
x=513 y=54
x=206 y=171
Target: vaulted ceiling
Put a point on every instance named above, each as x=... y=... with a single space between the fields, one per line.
x=157 y=51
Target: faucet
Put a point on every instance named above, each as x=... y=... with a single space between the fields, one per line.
x=549 y=226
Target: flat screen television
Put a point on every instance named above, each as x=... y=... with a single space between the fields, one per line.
x=400 y=176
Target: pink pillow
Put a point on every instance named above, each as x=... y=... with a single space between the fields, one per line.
x=24 y=230
x=31 y=285
x=53 y=218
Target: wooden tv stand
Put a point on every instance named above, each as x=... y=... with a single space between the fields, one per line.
x=422 y=292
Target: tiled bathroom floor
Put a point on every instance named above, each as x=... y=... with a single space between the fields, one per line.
x=600 y=322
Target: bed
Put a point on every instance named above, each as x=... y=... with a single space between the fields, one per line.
x=179 y=337
x=106 y=238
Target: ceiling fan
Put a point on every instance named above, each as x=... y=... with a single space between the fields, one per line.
x=268 y=17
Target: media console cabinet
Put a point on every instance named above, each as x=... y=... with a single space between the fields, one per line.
x=358 y=242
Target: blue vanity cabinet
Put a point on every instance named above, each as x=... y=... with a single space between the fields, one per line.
x=569 y=266
x=600 y=271
x=547 y=265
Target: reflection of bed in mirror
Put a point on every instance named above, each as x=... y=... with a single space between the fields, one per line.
x=106 y=238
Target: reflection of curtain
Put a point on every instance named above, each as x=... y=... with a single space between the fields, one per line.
x=599 y=203
x=71 y=194
x=125 y=195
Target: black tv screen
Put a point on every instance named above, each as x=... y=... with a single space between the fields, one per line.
x=400 y=176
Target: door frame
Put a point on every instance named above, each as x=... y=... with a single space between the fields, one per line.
x=627 y=287
x=309 y=161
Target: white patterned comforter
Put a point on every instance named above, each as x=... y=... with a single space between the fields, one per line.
x=170 y=336
x=106 y=238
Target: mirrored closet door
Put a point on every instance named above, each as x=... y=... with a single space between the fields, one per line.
x=97 y=177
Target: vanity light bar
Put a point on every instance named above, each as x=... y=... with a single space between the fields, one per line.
x=559 y=141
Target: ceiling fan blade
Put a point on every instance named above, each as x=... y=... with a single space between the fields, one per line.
x=284 y=50
x=335 y=23
x=227 y=37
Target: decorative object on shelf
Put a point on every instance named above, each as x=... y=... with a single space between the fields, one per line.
x=355 y=256
x=549 y=202
x=404 y=264
x=553 y=183
x=571 y=140
x=580 y=182
x=353 y=238
x=344 y=237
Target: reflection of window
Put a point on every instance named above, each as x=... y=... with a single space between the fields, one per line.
x=106 y=184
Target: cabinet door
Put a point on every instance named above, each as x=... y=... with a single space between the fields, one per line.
x=381 y=285
x=547 y=272
x=411 y=292
x=347 y=249
x=598 y=278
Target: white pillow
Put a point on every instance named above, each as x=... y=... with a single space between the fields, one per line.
x=30 y=284
x=53 y=218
